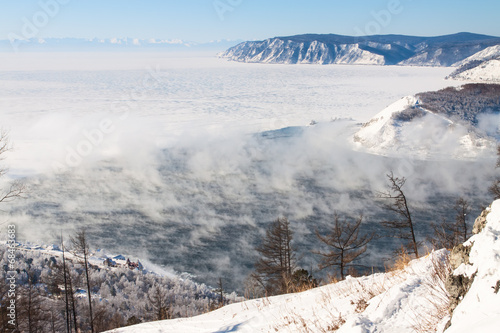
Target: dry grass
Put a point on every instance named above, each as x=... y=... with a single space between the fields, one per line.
x=436 y=302
x=401 y=261
x=340 y=300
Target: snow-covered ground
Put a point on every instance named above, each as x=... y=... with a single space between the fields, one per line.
x=479 y=311
x=384 y=302
x=488 y=71
x=428 y=136
x=406 y=300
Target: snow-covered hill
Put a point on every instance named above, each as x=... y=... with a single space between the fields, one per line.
x=487 y=71
x=483 y=66
x=407 y=128
x=410 y=299
x=486 y=54
x=374 y=50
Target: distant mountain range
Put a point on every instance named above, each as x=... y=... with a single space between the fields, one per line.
x=110 y=44
x=375 y=50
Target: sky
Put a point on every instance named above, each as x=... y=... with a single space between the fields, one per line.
x=207 y=20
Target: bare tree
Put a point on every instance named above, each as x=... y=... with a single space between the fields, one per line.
x=495 y=187
x=345 y=244
x=462 y=207
x=448 y=234
x=277 y=258
x=15 y=189
x=157 y=298
x=31 y=316
x=81 y=247
x=67 y=282
x=444 y=235
x=398 y=204
x=220 y=291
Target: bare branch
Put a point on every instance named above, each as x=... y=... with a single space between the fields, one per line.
x=398 y=204
x=345 y=243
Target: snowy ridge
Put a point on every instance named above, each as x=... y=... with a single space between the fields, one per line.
x=479 y=311
x=487 y=71
x=488 y=53
x=290 y=52
x=483 y=66
x=373 y=50
x=427 y=135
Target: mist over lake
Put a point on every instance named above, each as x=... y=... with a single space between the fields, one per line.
x=185 y=162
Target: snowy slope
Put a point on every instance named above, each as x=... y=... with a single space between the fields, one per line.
x=385 y=302
x=483 y=66
x=406 y=300
x=427 y=136
x=488 y=53
x=487 y=71
x=375 y=50
x=479 y=311
x=290 y=52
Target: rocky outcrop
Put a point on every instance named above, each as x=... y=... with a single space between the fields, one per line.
x=480 y=222
x=458 y=285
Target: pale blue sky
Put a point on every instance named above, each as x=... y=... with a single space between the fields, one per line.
x=205 y=20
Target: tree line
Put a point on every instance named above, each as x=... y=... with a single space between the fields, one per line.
x=346 y=242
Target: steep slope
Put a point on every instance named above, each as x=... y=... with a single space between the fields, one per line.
x=375 y=50
x=385 y=302
x=479 y=310
x=483 y=66
x=486 y=54
x=486 y=71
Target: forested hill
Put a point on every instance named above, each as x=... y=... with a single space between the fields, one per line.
x=465 y=103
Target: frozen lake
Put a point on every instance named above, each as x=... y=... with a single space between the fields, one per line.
x=178 y=159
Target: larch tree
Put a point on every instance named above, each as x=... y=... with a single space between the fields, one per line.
x=398 y=203
x=15 y=189
x=462 y=207
x=276 y=263
x=448 y=234
x=81 y=247
x=495 y=187
x=158 y=300
x=345 y=244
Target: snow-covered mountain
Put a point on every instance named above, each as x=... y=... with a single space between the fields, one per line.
x=375 y=50
x=414 y=298
x=98 y=44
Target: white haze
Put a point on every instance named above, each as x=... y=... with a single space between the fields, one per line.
x=181 y=175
